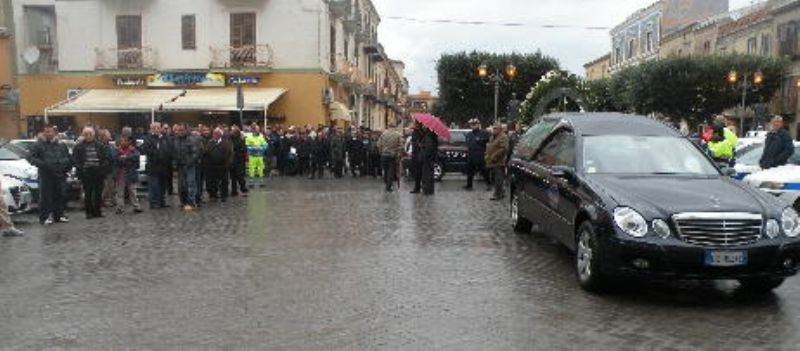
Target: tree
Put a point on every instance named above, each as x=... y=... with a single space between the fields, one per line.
x=463 y=95
x=693 y=88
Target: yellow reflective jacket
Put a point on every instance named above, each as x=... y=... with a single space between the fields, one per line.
x=724 y=148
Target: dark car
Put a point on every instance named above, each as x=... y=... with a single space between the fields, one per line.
x=452 y=157
x=632 y=197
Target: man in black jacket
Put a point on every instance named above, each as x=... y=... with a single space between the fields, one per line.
x=429 y=151
x=476 y=141
x=356 y=154
x=52 y=159
x=303 y=147
x=320 y=154
x=416 y=157
x=778 y=147
x=218 y=157
x=158 y=150
x=93 y=162
x=238 y=162
x=337 y=151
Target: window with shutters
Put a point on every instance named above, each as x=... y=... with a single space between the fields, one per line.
x=766 y=44
x=188 y=36
x=752 y=46
x=788 y=40
x=129 y=41
x=243 y=38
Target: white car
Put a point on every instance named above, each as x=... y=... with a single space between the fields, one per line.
x=783 y=182
x=747 y=160
x=12 y=165
x=16 y=195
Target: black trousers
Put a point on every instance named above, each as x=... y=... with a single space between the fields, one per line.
x=318 y=168
x=217 y=182
x=389 y=167
x=168 y=180
x=200 y=180
x=338 y=167
x=476 y=167
x=427 y=176
x=416 y=173
x=51 y=196
x=93 y=181
x=237 y=177
x=303 y=165
x=357 y=162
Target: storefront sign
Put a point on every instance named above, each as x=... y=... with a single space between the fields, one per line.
x=184 y=79
x=129 y=81
x=244 y=80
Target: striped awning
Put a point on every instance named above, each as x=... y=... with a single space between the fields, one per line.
x=115 y=101
x=224 y=99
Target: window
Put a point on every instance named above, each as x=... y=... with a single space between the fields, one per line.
x=787 y=39
x=752 y=46
x=617 y=55
x=649 y=41
x=243 y=38
x=560 y=151
x=707 y=47
x=766 y=44
x=347 y=50
x=129 y=41
x=531 y=140
x=188 y=37
x=630 y=154
x=631 y=48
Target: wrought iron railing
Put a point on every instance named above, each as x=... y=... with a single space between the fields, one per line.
x=131 y=58
x=244 y=56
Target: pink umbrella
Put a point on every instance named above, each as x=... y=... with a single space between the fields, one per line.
x=433 y=123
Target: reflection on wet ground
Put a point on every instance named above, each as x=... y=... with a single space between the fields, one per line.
x=338 y=264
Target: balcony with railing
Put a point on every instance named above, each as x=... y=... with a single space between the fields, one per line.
x=347 y=73
x=126 y=59
x=247 y=56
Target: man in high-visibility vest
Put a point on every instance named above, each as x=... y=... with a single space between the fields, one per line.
x=256 y=149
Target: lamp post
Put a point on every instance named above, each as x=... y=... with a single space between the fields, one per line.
x=496 y=78
x=733 y=78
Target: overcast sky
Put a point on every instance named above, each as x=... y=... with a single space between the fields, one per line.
x=419 y=45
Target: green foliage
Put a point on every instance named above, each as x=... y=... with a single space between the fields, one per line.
x=463 y=95
x=694 y=88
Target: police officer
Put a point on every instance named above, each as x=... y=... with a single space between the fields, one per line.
x=476 y=141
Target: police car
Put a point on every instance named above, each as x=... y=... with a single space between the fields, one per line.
x=748 y=157
x=783 y=182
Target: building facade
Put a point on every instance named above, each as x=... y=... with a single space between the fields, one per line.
x=423 y=102
x=639 y=38
x=321 y=57
x=598 y=68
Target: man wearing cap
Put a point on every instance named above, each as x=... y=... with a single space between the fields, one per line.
x=496 y=156
x=476 y=141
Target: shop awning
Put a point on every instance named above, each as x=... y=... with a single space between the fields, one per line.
x=115 y=101
x=340 y=112
x=224 y=99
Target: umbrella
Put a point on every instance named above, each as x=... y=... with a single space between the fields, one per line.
x=433 y=123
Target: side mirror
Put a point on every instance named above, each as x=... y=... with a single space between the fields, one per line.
x=563 y=172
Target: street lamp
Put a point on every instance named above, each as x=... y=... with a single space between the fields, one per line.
x=733 y=78
x=497 y=78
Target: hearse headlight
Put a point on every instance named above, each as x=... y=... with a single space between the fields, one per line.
x=773 y=229
x=771 y=185
x=630 y=222
x=661 y=228
x=790 y=223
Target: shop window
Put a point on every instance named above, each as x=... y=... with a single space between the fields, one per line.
x=188 y=32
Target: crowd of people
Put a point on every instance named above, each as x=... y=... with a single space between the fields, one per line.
x=212 y=163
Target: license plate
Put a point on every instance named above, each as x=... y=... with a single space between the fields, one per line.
x=726 y=258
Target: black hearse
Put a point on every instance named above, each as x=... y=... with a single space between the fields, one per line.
x=633 y=197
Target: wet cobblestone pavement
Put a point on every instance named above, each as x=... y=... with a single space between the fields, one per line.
x=338 y=264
